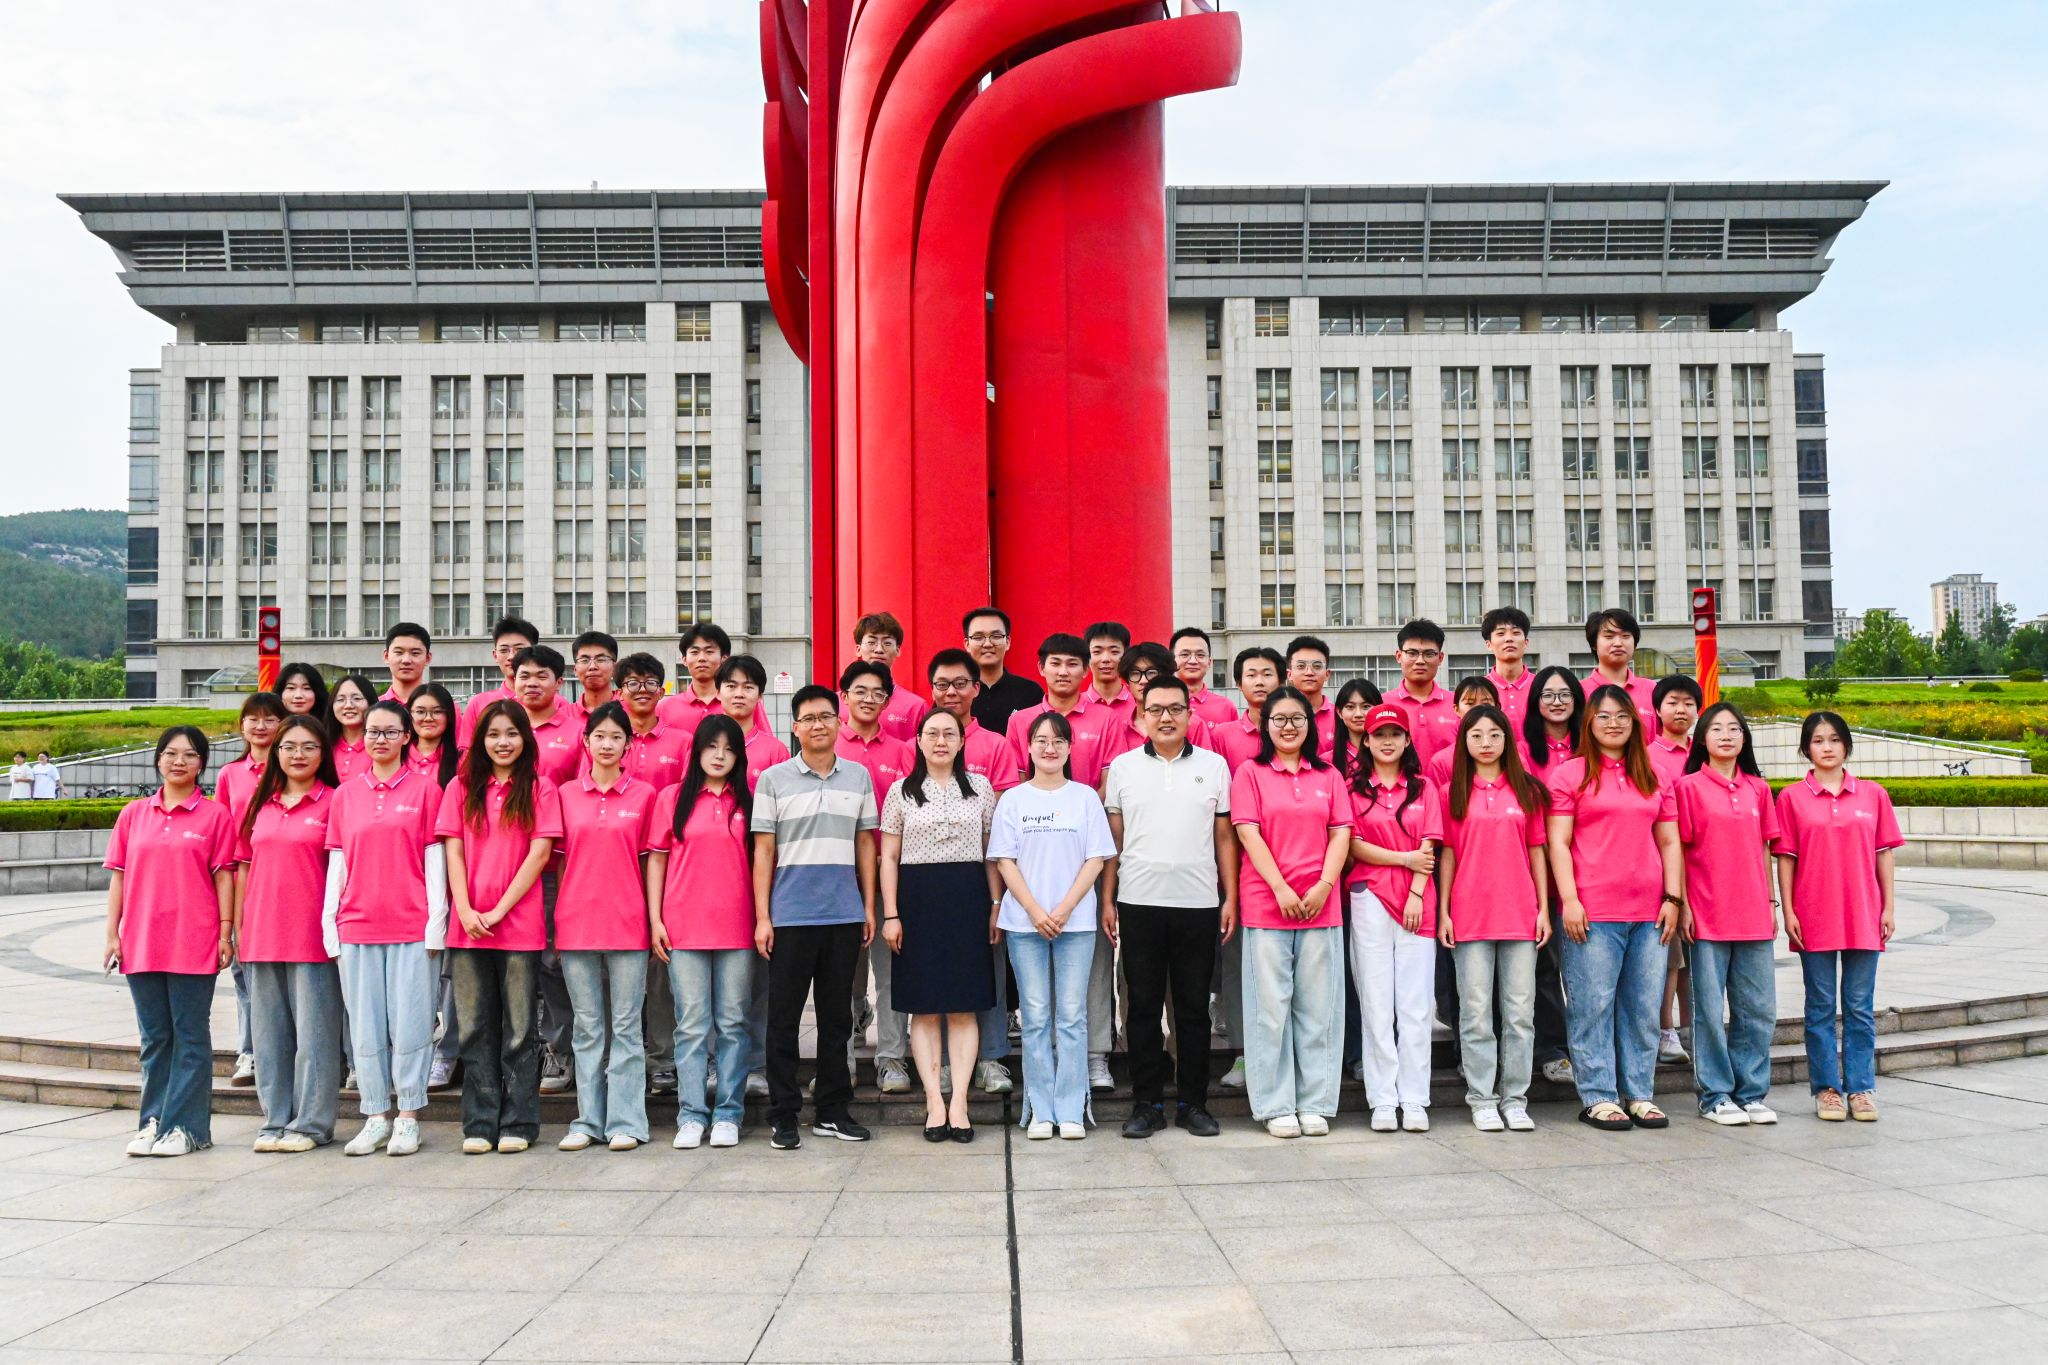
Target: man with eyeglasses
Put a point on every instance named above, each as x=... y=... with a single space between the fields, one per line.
x=594 y=656
x=1308 y=671
x=1174 y=884
x=864 y=689
x=1506 y=633
x=741 y=681
x=656 y=752
x=703 y=648
x=1191 y=663
x=878 y=639
x=1138 y=668
x=814 y=911
x=1257 y=671
x=1002 y=693
x=1431 y=710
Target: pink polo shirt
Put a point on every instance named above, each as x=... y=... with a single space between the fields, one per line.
x=1640 y=690
x=1237 y=741
x=1124 y=704
x=286 y=857
x=1294 y=813
x=707 y=891
x=474 y=707
x=656 y=757
x=885 y=758
x=237 y=784
x=764 y=751
x=1836 y=838
x=1667 y=760
x=1493 y=892
x=1326 y=728
x=1374 y=820
x=901 y=713
x=383 y=830
x=1555 y=751
x=170 y=911
x=1514 y=696
x=492 y=855
x=1090 y=720
x=558 y=743
x=601 y=900
x=987 y=754
x=350 y=759
x=426 y=765
x=1438 y=768
x=1432 y=724
x=1619 y=874
x=1212 y=707
x=683 y=709
x=1726 y=827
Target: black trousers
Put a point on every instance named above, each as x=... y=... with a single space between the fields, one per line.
x=1166 y=946
x=811 y=962
x=1551 y=1042
x=497 y=1001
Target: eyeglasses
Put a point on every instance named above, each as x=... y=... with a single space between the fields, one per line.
x=1421 y=655
x=952 y=685
x=1141 y=676
x=987 y=637
x=381 y=733
x=420 y=713
x=298 y=750
x=866 y=694
x=1189 y=656
x=1554 y=696
x=817 y=718
x=1175 y=711
x=640 y=685
x=1287 y=722
x=589 y=660
x=1050 y=742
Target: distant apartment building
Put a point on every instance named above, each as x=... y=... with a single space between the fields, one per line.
x=1964 y=595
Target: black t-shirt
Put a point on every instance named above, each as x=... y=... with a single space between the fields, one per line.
x=994 y=705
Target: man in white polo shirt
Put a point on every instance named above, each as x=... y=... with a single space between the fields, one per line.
x=1175 y=885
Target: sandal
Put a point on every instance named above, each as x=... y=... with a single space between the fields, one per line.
x=1646 y=1114
x=1607 y=1116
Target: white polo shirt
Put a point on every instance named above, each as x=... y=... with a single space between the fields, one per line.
x=1169 y=815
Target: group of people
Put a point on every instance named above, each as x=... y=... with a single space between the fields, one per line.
x=651 y=888
x=37 y=781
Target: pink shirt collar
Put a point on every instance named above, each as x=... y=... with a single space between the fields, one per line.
x=187 y=804
x=589 y=783
x=1812 y=781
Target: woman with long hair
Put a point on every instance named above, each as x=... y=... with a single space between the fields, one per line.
x=294 y=986
x=262 y=713
x=1551 y=726
x=170 y=931
x=940 y=895
x=499 y=824
x=303 y=691
x=434 y=718
x=350 y=704
x=1614 y=850
x=700 y=915
x=1355 y=701
x=1493 y=882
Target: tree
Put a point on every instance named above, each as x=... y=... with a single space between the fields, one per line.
x=1885 y=647
x=32 y=670
x=1955 y=653
x=2028 y=648
x=1996 y=632
x=1821 y=686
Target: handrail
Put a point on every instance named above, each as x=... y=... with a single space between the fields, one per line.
x=1940 y=741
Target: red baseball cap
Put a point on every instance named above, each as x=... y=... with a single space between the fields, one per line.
x=1380 y=717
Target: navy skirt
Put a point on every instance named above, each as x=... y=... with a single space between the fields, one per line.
x=946 y=966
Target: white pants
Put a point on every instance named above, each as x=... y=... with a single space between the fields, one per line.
x=1395 y=972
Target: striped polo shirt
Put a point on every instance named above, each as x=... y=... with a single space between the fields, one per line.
x=815 y=820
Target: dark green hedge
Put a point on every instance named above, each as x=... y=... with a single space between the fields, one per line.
x=29 y=815
x=1963 y=791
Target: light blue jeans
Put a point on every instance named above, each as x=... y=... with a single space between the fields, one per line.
x=1731 y=1058
x=296 y=1009
x=1052 y=1007
x=390 y=990
x=1614 y=985
x=1293 y=1020
x=607 y=991
x=713 y=988
x=1849 y=979
x=1497 y=972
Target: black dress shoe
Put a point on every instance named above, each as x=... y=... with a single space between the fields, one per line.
x=938 y=1132
x=960 y=1134
x=1145 y=1120
x=1196 y=1120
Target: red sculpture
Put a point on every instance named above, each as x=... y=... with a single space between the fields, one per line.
x=964 y=195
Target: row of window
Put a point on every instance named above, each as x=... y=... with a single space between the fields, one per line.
x=1578 y=388
x=693 y=323
x=504 y=542
x=1393 y=459
x=453 y=470
x=504 y=396
x=1514 y=531
x=327 y=614
x=1343 y=318
x=1466 y=602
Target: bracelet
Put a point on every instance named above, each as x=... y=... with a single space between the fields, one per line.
x=891 y=919
x=1678 y=901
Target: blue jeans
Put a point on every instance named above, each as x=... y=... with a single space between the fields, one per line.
x=1614 y=986
x=1293 y=1028
x=296 y=1009
x=390 y=989
x=1732 y=1060
x=1052 y=1007
x=607 y=991
x=174 y=1016
x=1856 y=971
x=712 y=988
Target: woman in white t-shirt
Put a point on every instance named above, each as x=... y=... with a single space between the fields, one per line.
x=1050 y=842
x=20 y=779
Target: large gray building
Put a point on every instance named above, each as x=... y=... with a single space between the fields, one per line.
x=1387 y=401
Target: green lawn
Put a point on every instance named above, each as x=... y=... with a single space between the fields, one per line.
x=77 y=732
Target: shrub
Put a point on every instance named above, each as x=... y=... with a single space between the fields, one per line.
x=2024 y=675
x=1960 y=791
x=16 y=816
x=1752 y=701
x=1985 y=687
x=1821 y=687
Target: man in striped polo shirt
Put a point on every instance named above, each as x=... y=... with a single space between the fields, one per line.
x=814 y=911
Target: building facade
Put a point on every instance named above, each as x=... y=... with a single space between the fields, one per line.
x=1386 y=402
x=1965 y=595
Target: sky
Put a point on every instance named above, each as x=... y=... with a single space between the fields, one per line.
x=1932 y=317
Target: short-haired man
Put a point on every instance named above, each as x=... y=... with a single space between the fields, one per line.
x=595 y=656
x=1505 y=631
x=741 y=681
x=1063 y=663
x=986 y=632
x=408 y=653
x=1141 y=665
x=656 y=752
x=1258 y=671
x=1308 y=672
x=703 y=648
x=814 y=912
x=1106 y=642
x=1174 y=884
x=864 y=690
x=510 y=635
x=1613 y=635
x=558 y=752
x=1431 y=710
x=1192 y=659
x=878 y=639
x=1676 y=700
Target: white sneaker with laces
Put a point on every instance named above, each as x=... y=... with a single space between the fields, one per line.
x=725 y=1133
x=513 y=1144
x=1728 y=1114
x=1759 y=1112
x=1384 y=1119
x=1073 y=1132
x=265 y=1142
x=405 y=1137
x=1313 y=1125
x=1283 y=1126
x=1517 y=1118
x=1486 y=1118
x=624 y=1142
x=295 y=1142
x=144 y=1139
x=573 y=1141
x=892 y=1077
x=245 y=1070
x=992 y=1078
x=1414 y=1120
x=689 y=1136
x=1040 y=1130
x=1098 y=1072
x=1233 y=1079
x=376 y=1132
x=1558 y=1071
x=1669 y=1049
x=177 y=1142
x=555 y=1076
x=439 y=1074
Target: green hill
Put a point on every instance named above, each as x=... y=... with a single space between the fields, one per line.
x=61 y=580
x=81 y=539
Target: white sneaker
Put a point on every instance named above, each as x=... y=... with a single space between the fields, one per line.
x=689 y=1136
x=1486 y=1118
x=1384 y=1119
x=1233 y=1079
x=992 y=1078
x=1414 y=1120
x=1313 y=1125
x=1073 y=1132
x=405 y=1137
x=177 y=1142
x=1283 y=1126
x=295 y=1142
x=555 y=1075
x=1728 y=1114
x=573 y=1141
x=892 y=1077
x=1558 y=1071
x=144 y=1139
x=265 y=1142
x=439 y=1074
x=513 y=1144
x=1759 y=1112
x=624 y=1142
x=1517 y=1118
x=1669 y=1049
x=376 y=1132
x=1098 y=1072
x=1040 y=1130
x=757 y=1084
x=475 y=1146
x=245 y=1070
x=725 y=1133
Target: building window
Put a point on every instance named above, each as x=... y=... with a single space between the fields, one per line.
x=572 y=396
x=1394 y=532
x=1215 y=538
x=380 y=613
x=204 y=545
x=451 y=542
x=504 y=543
x=693 y=466
x=1460 y=389
x=602 y=325
x=451 y=470
x=754 y=613
x=1343 y=535
x=753 y=475
x=259 y=402
x=1344 y=603
x=1582 y=459
x=327 y=616
x=1683 y=320
x=1702 y=457
x=693 y=396
x=1390 y=390
x=1639 y=598
x=381 y=470
x=755 y=545
x=451 y=398
x=1511 y=386
x=1583 y=599
x=1511 y=459
x=1519 y=595
x=693 y=540
x=1212 y=328
x=1703 y=529
x=1813 y=467
x=1461 y=533
x=574 y=468
x=506 y=395
x=1276 y=534
x=1396 y=603
x=1564 y=320
x=330 y=400
x=498 y=605
x=1461 y=460
x=1637 y=528
x=1391 y=460
x=575 y=540
x=626 y=396
x=625 y=613
x=572 y=612
x=1606 y=321
x=1759 y=599
x=144 y=421
x=1752 y=456
x=451 y=613
x=1582 y=530
x=1276 y=604
x=1340 y=390
x=1339 y=318
x=381 y=400
x=1215 y=397
x=1579 y=387
x=206 y=401
x=1631 y=458
x=1219 y=599
x=505 y=470
x=1753 y=528
x=1276 y=461
x=626 y=540
x=1749 y=386
x=1216 y=468
x=1696 y=386
x=382 y=542
x=1464 y=603
x=1514 y=532
x=327 y=543
x=1275 y=390
x=693 y=322
x=1456 y=318
x=1810 y=397
x=259 y=545
x=1631 y=386
x=1340 y=461
x=204 y=470
x=1269 y=317
x=625 y=468
x=692 y=606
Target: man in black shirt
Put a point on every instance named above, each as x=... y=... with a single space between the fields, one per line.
x=1002 y=693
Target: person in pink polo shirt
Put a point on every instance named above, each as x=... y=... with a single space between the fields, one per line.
x=294 y=986
x=304 y=693
x=1292 y=815
x=1258 y=671
x=1836 y=833
x=864 y=691
x=741 y=681
x=1493 y=888
x=352 y=699
x=499 y=825
x=1726 y=821
x=1063 y=663
x=1106 y=643
x=595 y=657
x=1614 y=851
x=1613 y=636
x=704 y=647
x=385 y=915
x=1549 y=735
x=601 y=934
x=878 y=639
x=1142 y=663
x=433 y=753
x=262 y=714
x=170 y=931
x=1470 y=692
x=1308 y=672
x=1395 y=829
x=1356 y=700
x=1192 y=660
x=1431 y=710
x=556 y=727
x=510 y=635
x=1505 y=631
x=1677 y=700
x=656 y=751
x=408 y=654
x=700 y=912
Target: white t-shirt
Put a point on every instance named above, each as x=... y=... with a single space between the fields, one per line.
x=19 y=778
x=45 y=775
x=1049 y=834
x=1169 y=812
